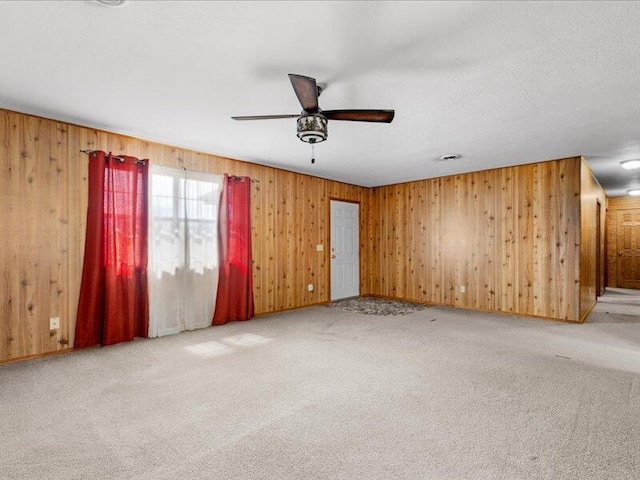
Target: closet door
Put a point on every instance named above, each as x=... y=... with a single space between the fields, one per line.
x=628 y=238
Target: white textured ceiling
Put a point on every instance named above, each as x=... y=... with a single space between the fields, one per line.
x=500 y=83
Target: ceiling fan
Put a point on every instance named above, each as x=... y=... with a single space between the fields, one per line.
x=312 y=122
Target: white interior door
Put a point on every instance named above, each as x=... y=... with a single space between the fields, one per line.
x=345 y=251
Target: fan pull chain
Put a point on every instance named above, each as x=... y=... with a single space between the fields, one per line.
x=313 y=153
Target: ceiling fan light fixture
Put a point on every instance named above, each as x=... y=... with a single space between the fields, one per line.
x=312 y=127
x=635 y=192
x=630 y=164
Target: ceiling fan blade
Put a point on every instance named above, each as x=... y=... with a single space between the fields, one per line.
x=266 y=117
x=306 y=91
x=384 y=116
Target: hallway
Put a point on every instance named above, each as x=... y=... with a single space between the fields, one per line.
x=623 y=304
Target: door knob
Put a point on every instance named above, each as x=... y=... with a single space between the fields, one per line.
x=620 y=253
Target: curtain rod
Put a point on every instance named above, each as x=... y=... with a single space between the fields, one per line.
x=139 y=161
x=143 y=160
x=253 y=180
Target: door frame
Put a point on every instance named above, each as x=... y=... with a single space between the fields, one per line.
x=598 y=249
x=619 y=249
x=359 y=203
x=605 y=249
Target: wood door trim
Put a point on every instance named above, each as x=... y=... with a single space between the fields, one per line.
x=599 y=256
x=620 y=282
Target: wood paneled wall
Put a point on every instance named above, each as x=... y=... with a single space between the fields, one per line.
x=43 y=190
x=591 y=193
x=615 y=204
x=509 y=236
x=40 y=224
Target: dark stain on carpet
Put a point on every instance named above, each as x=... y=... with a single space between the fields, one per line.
x=377 y=306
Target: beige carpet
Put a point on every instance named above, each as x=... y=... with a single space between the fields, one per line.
x=323 y=393
x=619 y=301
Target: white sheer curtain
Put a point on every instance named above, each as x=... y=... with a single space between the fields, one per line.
x=183 y=249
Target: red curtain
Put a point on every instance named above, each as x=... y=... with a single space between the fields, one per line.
x=235 y=284
x=113 y=304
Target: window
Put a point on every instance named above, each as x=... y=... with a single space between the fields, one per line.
x=183 y=249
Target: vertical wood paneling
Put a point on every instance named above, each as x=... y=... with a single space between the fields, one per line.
x=412 y=224
x=569 y=238
x=386 y=248
x=506 y=284
x=35 y=295
x=12 y=225
x=556 y=227
x=590 y=193
x=433 y=232
x=284 y=220
x=448 y=239
x=485 y=277
x=59 y=269
x=402 y=238
x=509 y=236
x=78 y=184
x=264 y=241
x=459 y=241
x=524 y=237
x=43 y=189
x=373 y=242
x=547 y=270
x=545 y=216
x=476 y=215
x=35 y=252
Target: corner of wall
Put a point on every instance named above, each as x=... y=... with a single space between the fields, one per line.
x=592 y=238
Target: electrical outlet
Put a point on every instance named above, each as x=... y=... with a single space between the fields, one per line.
x=462 y=288
x=320 y=248
x=54 y=323
x=310 y=287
